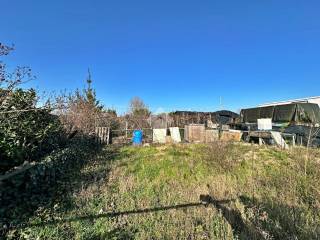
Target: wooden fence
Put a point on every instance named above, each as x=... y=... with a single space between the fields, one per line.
x=103 y=135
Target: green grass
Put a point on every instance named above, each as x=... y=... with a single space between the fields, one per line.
x=264 y=192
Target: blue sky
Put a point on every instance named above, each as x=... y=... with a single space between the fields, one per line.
x=173 y=54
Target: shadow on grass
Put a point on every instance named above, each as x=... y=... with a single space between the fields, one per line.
x=239 y=226
x=116 y=214
x=268 y=220
x=244 y=229
x=283 y=221
x=232 y=216
x=51 y=190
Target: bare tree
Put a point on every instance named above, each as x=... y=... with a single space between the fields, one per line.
x=10 y=80
x=138 y=108
x=139 y=113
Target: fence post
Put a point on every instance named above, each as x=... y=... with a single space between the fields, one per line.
x=126 y=130
x=108 y=136
x=166 y=120
x=293 y=140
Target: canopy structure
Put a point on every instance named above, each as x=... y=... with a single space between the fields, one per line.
x=295 y=113
x=182 y=118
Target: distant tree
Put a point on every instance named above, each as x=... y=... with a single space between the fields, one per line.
x=138 y=114
x=112 y=112
x=108 y=118
x=80 y=111
x=90 y=93
x=138 y=108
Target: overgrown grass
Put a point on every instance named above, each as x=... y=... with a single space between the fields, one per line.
x=153 y=193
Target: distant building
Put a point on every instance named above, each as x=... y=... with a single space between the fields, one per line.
x=299 y=100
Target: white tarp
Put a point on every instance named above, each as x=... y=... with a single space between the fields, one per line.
x=264 y=124
x=175 y=134
x=159 y=135
x=279 y=140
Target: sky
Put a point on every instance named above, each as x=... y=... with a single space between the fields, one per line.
x=175 y=54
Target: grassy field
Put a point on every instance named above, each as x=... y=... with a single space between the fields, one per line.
x=153 y=192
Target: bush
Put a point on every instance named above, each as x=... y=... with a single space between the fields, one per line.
x=26 y=132
x=36 y=187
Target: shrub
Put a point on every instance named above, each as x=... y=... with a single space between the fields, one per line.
x=39 y=186
x=26 y=132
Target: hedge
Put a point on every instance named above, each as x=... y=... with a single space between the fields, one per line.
x=24 y=193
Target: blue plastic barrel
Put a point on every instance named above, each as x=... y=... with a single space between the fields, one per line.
x=137 y=137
